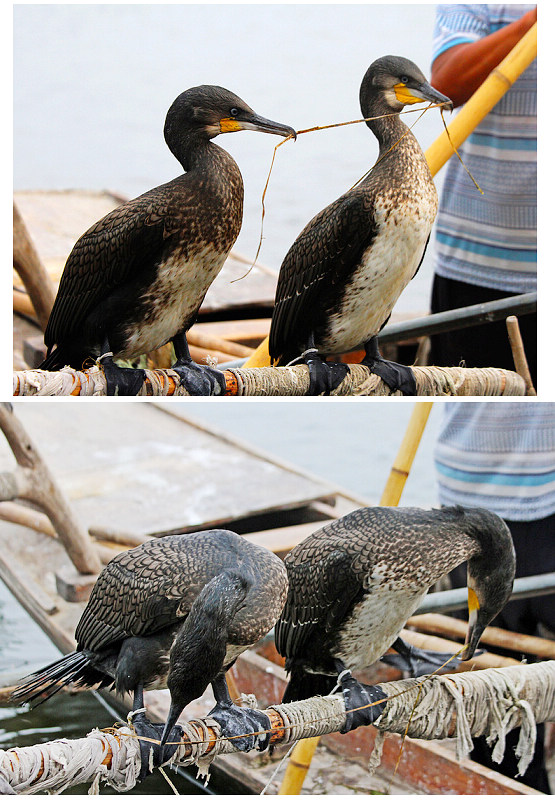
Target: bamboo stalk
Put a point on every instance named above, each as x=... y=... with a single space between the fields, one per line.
x=519 y=356
x=470 y=115
x=402 y=465
x=496 y=637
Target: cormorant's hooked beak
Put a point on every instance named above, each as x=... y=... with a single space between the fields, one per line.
x=175 y=711
x=255 y=123
x=421 y=93
x=475 y=627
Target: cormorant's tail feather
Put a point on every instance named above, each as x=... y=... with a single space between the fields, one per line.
x=75 y=668
x=303 y=685
x=60 y=357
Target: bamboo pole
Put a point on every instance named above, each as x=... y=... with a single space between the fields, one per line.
x=280 y=381
x=470 y=115
x=434 y=707
x=519 y=355
x=302 y=755
x=402 y=465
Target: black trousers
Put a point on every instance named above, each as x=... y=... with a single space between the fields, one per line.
x=535 y=554
x=483 y=345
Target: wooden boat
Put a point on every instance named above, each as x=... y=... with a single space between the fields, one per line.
x=143 y=470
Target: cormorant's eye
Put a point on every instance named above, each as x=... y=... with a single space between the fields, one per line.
x=234 y=112
x=404 y=79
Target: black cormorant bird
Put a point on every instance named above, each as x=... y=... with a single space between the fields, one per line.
x=175 y=611
x=342 y=276
x=354 y=583
x=137 y=278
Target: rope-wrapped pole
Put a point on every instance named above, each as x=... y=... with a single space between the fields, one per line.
x=460 y=706
x=280 y=381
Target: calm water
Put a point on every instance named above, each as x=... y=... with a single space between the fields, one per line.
x=348 y=443
x=92 y=84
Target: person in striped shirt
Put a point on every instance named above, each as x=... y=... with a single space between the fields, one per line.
x=501 y=456
x=485 y=245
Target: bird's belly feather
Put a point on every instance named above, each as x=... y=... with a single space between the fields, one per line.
x=171 y=302
x=374 y=625
x=386 y=267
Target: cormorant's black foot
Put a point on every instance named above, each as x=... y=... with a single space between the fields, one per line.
x=358 y=698
x=246 y=728
x=397 y=376
x=200 y=380
x=122 y=381
x=325 y=376
x=152 y=755
x=419 y=662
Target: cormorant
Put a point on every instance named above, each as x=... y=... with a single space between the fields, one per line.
x=176 y=612
x=136 y=279
x=354 y=583
x=344 y=273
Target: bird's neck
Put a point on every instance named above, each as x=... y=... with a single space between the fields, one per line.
x=195 y=153
x=385 y=124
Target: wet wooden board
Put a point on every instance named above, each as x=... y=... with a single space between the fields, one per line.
x=56 y=219
x=133 y=467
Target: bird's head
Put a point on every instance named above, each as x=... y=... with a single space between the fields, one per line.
x=397 y=82
x=211 y=110
x=490 y=574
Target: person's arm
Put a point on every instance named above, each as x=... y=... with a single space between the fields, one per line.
x=459 y=71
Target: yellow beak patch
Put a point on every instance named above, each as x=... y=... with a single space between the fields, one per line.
x=473 y=603
x=229 y=125
x=404 y=94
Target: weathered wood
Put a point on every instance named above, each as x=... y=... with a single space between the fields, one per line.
x=36 y=484
x=495 y=637
x=483 y=661
x=27 y=262
x=519 y=356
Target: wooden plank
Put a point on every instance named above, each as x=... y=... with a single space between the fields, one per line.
x=130 y=467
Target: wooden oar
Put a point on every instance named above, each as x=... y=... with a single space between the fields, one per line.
x=474 y=110
x=303 y=752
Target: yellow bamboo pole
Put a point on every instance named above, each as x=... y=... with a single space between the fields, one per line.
x=474 y=110
x=402 y=465
x=304 y=750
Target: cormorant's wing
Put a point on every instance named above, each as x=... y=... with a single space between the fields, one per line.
x=119 y=248
x=137 y=594
x=316 y=268
x=320 y=596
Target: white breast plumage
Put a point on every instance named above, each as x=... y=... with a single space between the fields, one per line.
x=385 y=269
x=374 y=625
x=173 y=298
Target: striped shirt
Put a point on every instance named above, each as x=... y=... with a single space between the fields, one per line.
x=490 y=240
x=499 y=456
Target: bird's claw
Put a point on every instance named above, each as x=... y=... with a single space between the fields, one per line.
x=246 y=728
x=325 y=376
x=122 y=381
x=361 y=706
x=200 y=381
x=149 y=735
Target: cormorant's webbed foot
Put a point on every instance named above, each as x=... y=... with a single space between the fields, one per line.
x=397 y=376
x=152 y=755
x=122 y=381
x=325 y=376
x=199 y=380
x=242 y=726
x=358 y=699
x=419 y=662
